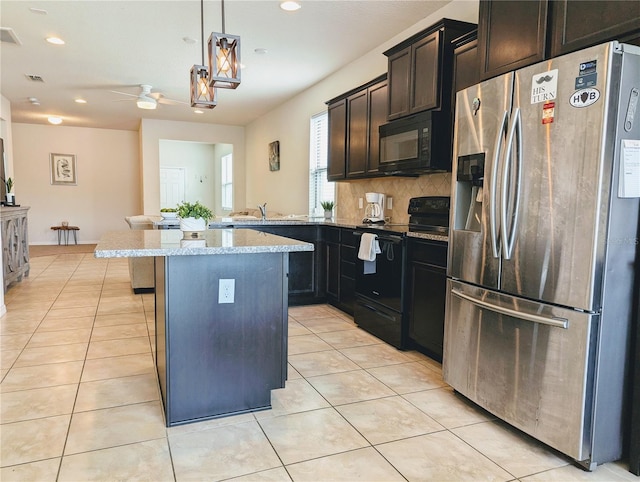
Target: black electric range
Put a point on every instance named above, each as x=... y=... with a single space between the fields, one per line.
x=380 y=287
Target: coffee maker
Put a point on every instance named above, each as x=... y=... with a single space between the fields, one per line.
x=374 y=212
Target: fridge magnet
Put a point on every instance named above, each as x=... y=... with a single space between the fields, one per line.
x=544 y=86
x=548 y=112
x=63 y=169
x=274 y=156
x=584 y=97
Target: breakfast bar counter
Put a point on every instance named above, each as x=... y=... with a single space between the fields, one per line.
x=220 y=313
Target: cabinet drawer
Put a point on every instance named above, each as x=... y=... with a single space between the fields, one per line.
x=348 y=238
x=428 y=252
x=332 y=235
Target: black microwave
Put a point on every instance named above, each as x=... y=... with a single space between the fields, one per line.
x=415 y=144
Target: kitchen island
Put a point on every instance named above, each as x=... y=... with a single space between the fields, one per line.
x=220 y=315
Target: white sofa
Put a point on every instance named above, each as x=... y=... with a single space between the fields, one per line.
x=141 y=270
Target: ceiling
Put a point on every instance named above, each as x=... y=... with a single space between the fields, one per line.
x=119 y=44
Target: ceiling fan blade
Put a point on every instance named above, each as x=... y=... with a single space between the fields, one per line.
x=124 y=93
x=164 y=100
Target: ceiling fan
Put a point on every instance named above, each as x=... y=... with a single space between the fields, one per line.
x=147 y=99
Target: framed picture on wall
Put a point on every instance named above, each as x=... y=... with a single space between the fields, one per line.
x=63 y=169
x=274 y=156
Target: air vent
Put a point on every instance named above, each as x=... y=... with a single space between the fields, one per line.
x=7 y=35
x=34 y=78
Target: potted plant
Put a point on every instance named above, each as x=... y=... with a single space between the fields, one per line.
x=328 y=208
x=10 y=196
x=193 y=216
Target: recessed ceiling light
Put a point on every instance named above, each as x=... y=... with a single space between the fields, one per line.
x=34 y=101
x=40 y=11
x=290 y=6
x=81 y=101
x=189 y=40
x=260 y=51
x=55 y=40
x=55 y=120
x=198 y=111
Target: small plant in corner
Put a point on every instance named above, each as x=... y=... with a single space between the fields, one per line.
x=9 y=184
x=327 y=205
x=194 y=210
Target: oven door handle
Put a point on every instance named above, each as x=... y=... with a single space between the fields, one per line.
x=392 y=239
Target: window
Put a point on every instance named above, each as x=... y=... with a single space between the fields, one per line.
x=319 y=188
x=226 y=176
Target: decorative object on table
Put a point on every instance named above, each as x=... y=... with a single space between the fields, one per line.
x=168 y=213
x=63 y=169
x=11 y=197
x=328 y=208
x=274 y=156
x=193 y=216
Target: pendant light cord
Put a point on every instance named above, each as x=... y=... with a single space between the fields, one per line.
x=202 y=29
x=222 y=1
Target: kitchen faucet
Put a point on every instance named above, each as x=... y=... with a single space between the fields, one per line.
x=263 y=210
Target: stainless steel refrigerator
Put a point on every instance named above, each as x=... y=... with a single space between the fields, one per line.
x=543 y=245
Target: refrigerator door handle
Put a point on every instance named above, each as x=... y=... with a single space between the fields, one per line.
x=508 y=240
x=497 y=149
x=554 y=321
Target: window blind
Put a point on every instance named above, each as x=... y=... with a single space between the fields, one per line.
x=319 y=188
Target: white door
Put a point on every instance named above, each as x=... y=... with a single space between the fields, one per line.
x=171 y=186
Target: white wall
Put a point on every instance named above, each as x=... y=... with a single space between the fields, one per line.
x=108 y=177
x=287 y=190
x=153 y=131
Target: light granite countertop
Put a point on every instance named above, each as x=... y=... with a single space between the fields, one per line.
x=134 y=243
x=248 y=221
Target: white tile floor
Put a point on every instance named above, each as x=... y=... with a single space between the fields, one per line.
x=80 y=401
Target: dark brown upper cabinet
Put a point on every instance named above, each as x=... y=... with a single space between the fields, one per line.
x=514 y=34
x=336 y=162
x=466 y=65
x=578 y=24
x=354 y=118
x=511 y=35
x=420 y=69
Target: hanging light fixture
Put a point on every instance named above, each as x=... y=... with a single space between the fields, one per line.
x=202 y=94
x=224 y=59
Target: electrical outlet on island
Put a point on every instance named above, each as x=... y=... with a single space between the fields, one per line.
x=226 y=291
x=389 y=203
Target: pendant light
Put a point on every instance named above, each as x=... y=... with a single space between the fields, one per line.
x=202 y=94
x=224 y=59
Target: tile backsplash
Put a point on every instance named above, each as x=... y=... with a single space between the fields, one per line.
x=401 y=189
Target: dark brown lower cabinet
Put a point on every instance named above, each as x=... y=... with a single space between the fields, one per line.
x=427 y=279
x=215 y=359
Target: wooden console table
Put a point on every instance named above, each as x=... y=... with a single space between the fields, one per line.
x=15 y=244
x=64 y=230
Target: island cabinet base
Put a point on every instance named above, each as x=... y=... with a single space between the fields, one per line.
x=217 y=359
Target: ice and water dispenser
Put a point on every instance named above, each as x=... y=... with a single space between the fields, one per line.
x=469 y=185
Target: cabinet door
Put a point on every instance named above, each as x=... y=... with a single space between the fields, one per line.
x=425 y=73
x=336 y=163
x=357 y=116
x=511 y=34
x=466 y=66
x=427 y=307
x=332 y=253
x=377 y=117
x=399 y=83
x=579 y=24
